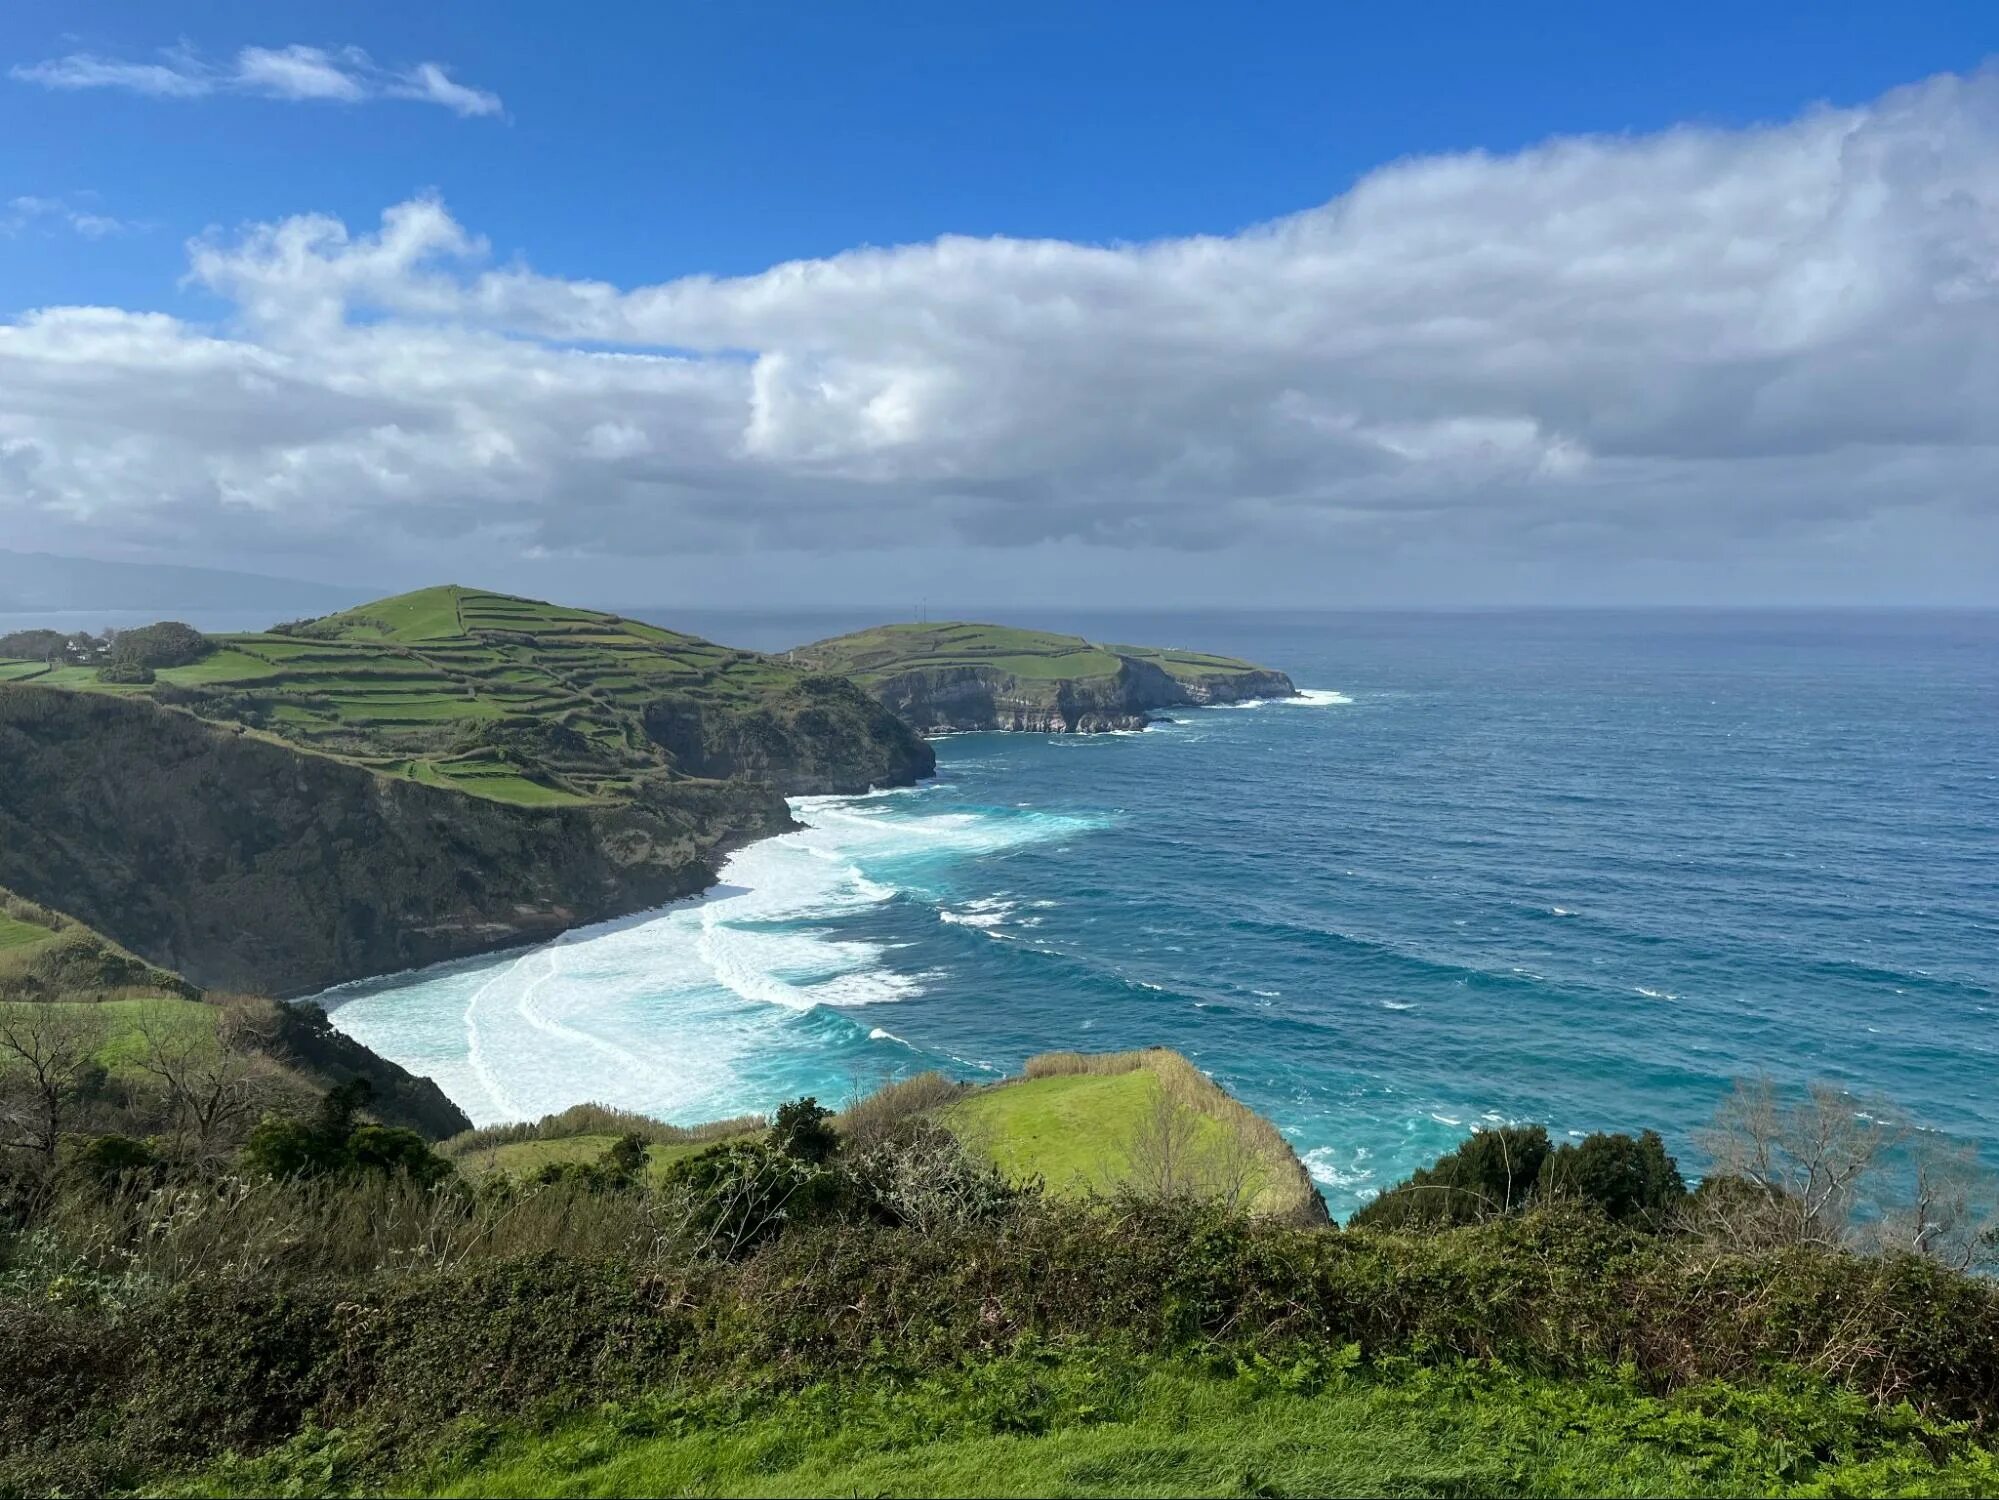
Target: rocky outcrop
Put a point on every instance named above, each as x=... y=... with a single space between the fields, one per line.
x=302 y=1038
x=247 y=865
x=945 y=700
x=825 y=736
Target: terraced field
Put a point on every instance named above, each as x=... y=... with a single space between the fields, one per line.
x=502 y=697
x=887 y=650
x=957 y=676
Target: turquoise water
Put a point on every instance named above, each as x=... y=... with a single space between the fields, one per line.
x=1582 y=868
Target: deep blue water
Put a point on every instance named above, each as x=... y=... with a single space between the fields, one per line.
x=1582 y=868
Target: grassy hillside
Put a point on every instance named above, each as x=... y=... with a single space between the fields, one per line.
x=1097 y=1124
x=124 y=1012
x=500 y=697
x=582 y=1135
x=870 y=655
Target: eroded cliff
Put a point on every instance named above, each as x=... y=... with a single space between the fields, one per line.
x=245 y=864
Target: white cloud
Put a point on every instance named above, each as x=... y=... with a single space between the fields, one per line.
x=346 y=75
x=302 y=73
x=429 y=81
x=28 y=212
x=1609 y=351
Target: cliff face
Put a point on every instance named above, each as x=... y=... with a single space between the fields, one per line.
x=246 y=865
x=827 y=736
x=947 y=699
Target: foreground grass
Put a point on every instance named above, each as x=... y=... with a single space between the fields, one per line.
x=525 y=1158
x=1093 y=1422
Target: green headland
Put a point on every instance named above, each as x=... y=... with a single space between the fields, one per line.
x=958 y=676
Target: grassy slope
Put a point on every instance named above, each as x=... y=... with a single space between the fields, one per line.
x=120 y=1045
x=869 y=656
x=404 y=685
x=1094 y=1423
x=1074 y=1119
x=1069 y=1132
x=525 y=1158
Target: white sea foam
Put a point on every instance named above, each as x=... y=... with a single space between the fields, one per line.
x=1656 y=994
x=671 y=1013
x=1326 y=1165
x=1316 y=698
x=1398 y=1005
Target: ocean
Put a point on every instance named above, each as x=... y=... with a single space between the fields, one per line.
x=1582 y=868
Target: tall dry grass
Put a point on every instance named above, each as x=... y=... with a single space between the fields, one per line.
x=599 y=1119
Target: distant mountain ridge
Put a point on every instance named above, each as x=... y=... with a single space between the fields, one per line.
x=31 y=581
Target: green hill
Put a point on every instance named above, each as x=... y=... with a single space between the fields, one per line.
x=421 y=778
x=956 y=676
x=62 y=982
x=521 y=701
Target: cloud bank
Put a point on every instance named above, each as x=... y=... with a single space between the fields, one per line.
x=1605 y=351
x=345 y=75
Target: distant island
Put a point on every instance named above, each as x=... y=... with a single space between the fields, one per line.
x=454 y=770
x=954 y=676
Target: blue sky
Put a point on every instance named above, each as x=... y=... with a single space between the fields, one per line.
x=638 y=146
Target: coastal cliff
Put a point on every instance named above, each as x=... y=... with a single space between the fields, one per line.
x=246 y=865
x=950 y=677
x=422 y=778
x=828 y=737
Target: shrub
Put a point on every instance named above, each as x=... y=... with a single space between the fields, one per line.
x=804 y=1129
x=742 y=1196
x=1631 y=1178
x=104 y=1161
x=167 y=644
x=1494 y=1172
x=334 y=1144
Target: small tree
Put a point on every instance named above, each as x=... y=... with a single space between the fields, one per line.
x=214 y=1080
x=1162 y=1148
x=1788 y=1174
x=1631 y=1178
x=1491 y=1173
x=803 y=1129
x=53 y=1057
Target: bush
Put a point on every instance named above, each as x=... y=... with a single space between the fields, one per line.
x=167 y=644
x=105 y=1161
x=333 y=1144
x=129 y=673
x=742 y=1196
x=1492 y=1173
x=804 y=1129
x=1630 y=1178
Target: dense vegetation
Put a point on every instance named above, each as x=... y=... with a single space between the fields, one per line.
x=97 y=1045
x=502 y=697
x=868 y=1302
